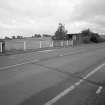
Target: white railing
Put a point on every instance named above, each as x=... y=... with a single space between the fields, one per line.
x=63 y=43
x=26 y=44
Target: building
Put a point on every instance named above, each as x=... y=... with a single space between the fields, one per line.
x=75 y=36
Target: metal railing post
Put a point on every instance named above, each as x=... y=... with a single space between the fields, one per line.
x=67 y=42
x=51 y=44
x=24 y=45
x=1 y=47
x=61 y=43
x=40 y=44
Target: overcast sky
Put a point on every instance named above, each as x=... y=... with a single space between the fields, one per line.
x=26 y=17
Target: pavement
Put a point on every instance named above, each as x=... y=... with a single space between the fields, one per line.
x=66 y=76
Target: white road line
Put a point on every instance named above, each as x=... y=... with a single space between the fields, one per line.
x=99 y=90
x=81 y=80
x=95 y=70
x=66 y=91
x=61 y=55
x=61 y=95
x=7 y=67
x=30 y=53
x=46 y=51
x=77 y=83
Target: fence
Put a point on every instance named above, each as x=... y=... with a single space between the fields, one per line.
x=63 y=43
x=2 y=47
x=24 y=45
x=33 y=44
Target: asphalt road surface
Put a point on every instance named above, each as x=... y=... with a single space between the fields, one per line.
x=66 y=76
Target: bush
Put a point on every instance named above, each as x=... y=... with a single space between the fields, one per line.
x=89 y=36
x=96 y=38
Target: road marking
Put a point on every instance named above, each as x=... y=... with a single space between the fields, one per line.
x=46 y=51
x=73 y=52
x=66 y=91
x=7 y=67
x=61 y=55
x=77 y=83
x=61 y=95
x=81 y=80
x=95 y=70
x=13 y=56
x=99 y=90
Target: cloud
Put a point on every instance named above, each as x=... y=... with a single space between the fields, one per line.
x=37 y=15
x=43 y=16
x=88 y=9
x=88 y=14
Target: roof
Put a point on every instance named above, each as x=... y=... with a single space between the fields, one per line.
x=1 y=40
x=74 y=34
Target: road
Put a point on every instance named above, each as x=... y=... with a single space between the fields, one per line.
x=66 y=76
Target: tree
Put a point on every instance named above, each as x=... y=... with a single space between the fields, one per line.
x=86 y=33
x=37 y=36
x=46 y=35
x=19 y=37
x=7 y=38
x=13 y=37
x=61 y=33
x=96 y=38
